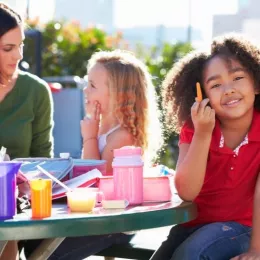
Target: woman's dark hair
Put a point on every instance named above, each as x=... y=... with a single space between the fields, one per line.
x=179 y=86
x=9 y=19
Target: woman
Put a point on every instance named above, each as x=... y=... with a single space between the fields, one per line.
x=26 y=104
x=26 y=109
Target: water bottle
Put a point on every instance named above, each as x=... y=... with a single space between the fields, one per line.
x=128 y=174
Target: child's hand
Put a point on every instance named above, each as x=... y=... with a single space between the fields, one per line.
x=90 y=125
x=247 y=256
x=203 y=116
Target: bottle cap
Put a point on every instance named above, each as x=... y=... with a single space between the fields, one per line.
x=64 y=155
x=128 y=151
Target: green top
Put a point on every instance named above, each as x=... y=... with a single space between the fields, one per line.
x=26 y=118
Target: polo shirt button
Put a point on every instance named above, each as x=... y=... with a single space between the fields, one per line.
x=234 y=155
x=232 y=168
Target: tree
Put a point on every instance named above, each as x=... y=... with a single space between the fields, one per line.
x=67 y=47
x=159 y=63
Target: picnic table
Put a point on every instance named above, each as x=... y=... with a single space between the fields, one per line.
x=101 y=221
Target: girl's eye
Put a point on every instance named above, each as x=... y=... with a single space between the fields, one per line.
x=215 y=86
x=238 y=78
x=92 y=85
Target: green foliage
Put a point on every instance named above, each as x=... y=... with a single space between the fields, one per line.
x=160 y=61
x=66 y=47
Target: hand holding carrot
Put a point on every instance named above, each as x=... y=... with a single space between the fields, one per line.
x=203 y=116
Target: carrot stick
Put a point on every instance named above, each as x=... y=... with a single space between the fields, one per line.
x=199 y=93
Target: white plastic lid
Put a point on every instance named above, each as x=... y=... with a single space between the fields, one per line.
x=134 y=160
x=64 y=155
x=128 y=151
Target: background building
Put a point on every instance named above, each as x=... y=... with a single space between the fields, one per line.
x=246 y=20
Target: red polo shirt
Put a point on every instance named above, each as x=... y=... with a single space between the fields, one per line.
x=228 y=189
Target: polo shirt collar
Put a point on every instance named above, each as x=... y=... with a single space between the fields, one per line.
x=253 y=134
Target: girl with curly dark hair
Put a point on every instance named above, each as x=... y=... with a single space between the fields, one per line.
x=219 y=157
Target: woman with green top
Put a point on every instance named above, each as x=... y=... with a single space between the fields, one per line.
x=25 y=100
x=26 y=110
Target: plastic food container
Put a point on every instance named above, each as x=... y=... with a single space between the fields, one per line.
x=128 y=174
x=82 y=166
x=81 y=200
x=156 y=189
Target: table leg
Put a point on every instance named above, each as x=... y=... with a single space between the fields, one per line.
x=2 y=246
x=46 y=248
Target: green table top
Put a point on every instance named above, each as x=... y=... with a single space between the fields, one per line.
x=101 y=221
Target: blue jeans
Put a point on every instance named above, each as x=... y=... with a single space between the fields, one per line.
x=215 y=241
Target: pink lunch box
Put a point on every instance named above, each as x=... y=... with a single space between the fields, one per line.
x=156 y=189
x=81 y=166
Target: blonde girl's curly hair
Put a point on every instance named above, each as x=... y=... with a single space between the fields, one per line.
x=133 y=97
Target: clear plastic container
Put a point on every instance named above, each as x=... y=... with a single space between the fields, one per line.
x=82 y=199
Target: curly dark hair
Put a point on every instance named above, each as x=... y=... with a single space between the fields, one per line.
x=179 y=86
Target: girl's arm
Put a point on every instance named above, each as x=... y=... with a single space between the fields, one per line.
x=115 y=140
x=192 y=161
x=90 y=149
x=89 y=132
x=191 y=167
x=255 y=241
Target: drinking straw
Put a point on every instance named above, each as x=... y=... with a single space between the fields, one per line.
x=53 y=178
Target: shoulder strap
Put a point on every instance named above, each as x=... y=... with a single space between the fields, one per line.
x=112 y=130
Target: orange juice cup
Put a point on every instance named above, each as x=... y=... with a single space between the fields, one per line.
x=41 y=198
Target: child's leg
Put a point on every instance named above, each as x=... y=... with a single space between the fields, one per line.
x=10 y=252
x=216 y=241
x=176 y=236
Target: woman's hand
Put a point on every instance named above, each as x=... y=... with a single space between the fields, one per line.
x=203 y=117
x=90 y=124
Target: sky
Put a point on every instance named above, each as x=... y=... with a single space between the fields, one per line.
x=169 y=12
x=129 y=13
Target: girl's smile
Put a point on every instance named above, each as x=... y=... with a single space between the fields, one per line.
x=232 y=102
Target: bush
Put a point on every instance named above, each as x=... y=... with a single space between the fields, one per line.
x=67 y=47
x=159 y=62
